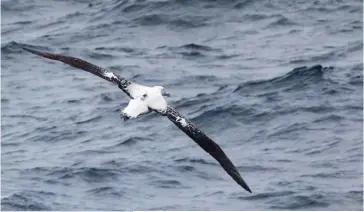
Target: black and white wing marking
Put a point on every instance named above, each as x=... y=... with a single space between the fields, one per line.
x=134 y=90
x=207 y=144
x=131 y=89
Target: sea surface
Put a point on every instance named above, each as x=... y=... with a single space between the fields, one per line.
x=278 y=84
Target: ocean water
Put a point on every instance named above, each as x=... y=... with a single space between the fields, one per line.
x=278 y=84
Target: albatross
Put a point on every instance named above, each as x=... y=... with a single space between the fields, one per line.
x=145 y=99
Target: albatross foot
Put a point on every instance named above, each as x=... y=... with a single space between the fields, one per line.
x=124 y=116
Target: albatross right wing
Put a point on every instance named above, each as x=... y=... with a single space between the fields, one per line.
x=207 y=144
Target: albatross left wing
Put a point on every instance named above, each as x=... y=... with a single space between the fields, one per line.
x=207 y=144
x=131 y=89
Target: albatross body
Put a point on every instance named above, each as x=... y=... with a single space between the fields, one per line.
x=145 y=99
x=149 y=98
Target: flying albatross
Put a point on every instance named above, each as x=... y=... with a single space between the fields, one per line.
x=145 y=99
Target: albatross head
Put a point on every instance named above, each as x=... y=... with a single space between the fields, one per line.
x=161 y=89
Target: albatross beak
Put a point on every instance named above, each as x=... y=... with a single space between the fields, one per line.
x=166 y=94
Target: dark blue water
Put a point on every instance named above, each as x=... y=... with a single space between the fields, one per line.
x=277 y=84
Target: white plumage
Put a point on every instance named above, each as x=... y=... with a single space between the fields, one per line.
x=145 y=98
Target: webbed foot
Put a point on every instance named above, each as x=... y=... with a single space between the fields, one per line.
x=124 y=116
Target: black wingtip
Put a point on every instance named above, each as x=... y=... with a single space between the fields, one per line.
x=23 y=46
x=30 y=50
x=248 y=189
x=243 y=184
x=42 y=53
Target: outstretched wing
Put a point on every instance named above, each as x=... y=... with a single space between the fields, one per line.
x=131 y=89
x=207 y=144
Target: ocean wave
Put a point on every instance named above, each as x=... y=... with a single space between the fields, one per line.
x=193 y=51
x=167 y=184
x=90 y=119
x=185 y=168
x=106 y=191
x=58 y=174
x=188 y=102
x=338 y=52
x=9 y=6
x=128 y=50
x=264 y=195
x=88 y=174
x=330 y=118
x=193 y=46
x=302 y=75
x=281 y=21
x=244 y=4
x=255 y=17
x=333 y=174
x=18 y=116
x=258 y=168
x=26 y=201
x=331 y=7
x=297 y=202
x=194 y=161
x=176 y=5
x=138 y=6
x=100 y=56
x=356 y=75
x=193 y=80
x=129 y=142
x=153 y=13
x=186 y=22
x=226 y=114
x=10 y=48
